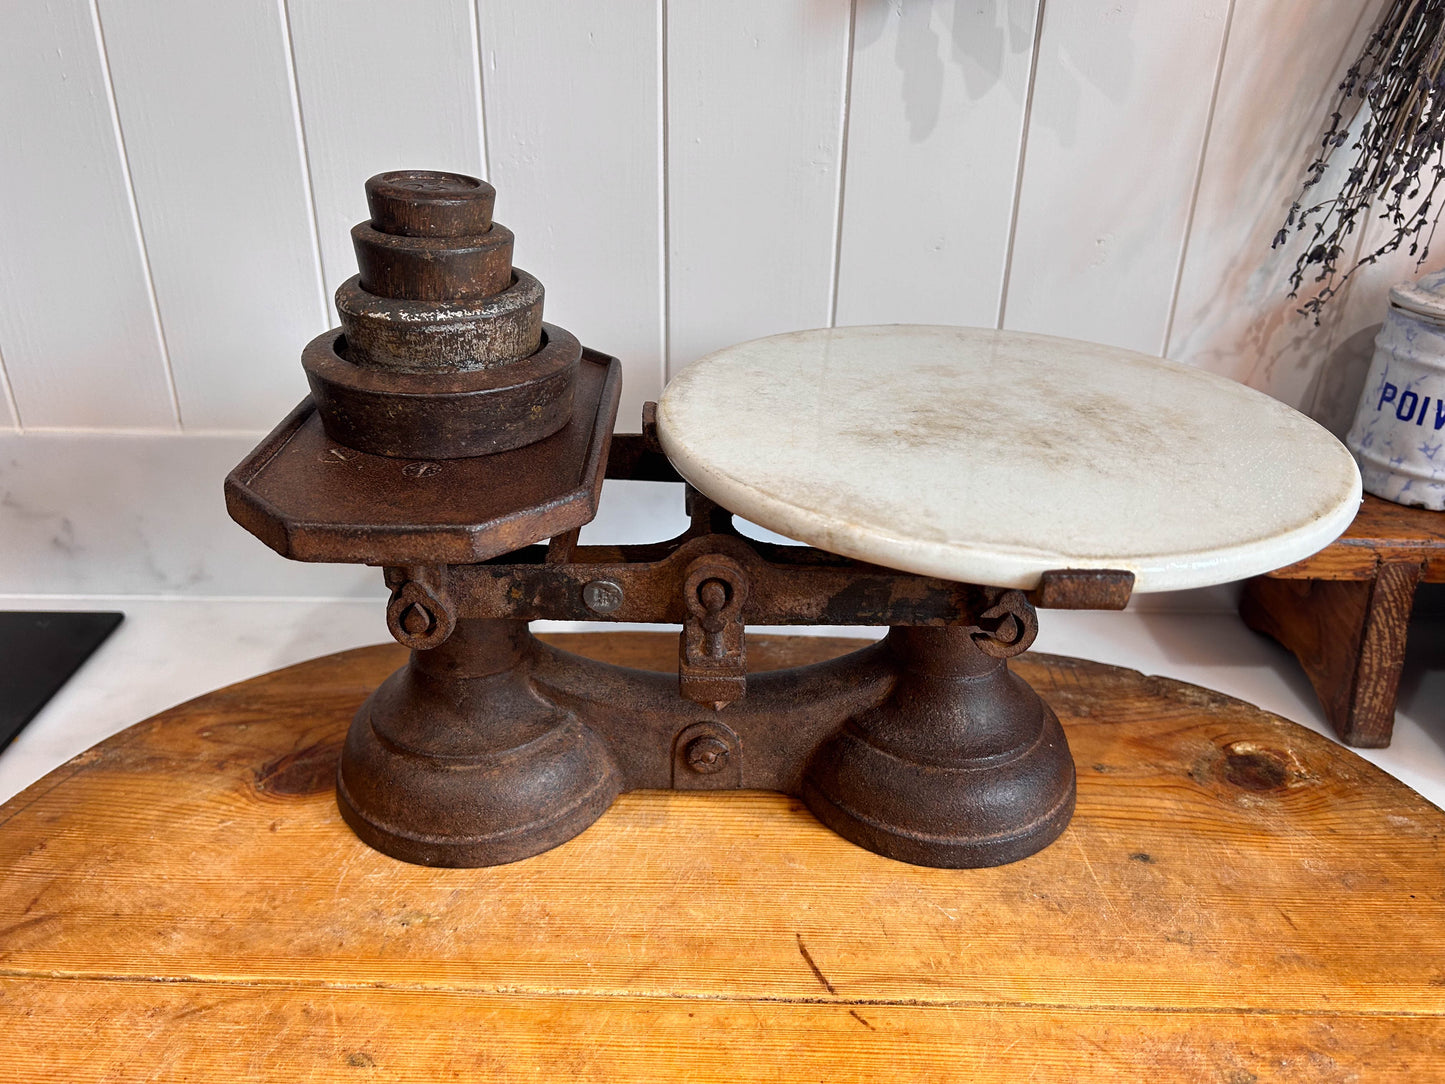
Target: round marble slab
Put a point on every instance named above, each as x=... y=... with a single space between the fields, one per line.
x=993 y=456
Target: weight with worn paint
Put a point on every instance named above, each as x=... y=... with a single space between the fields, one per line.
x=443 y=415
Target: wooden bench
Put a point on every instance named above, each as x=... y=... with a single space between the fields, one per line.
x=1344 y=612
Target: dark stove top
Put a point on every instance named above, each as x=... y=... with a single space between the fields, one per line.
x=39 y=651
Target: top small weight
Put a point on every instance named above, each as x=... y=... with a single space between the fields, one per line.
x=425 y=203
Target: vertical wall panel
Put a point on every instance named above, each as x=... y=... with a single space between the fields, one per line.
x=1120 y=107
x=77 y=328
x=754 y=114
x=936 y=111
x=206 y=103
x=1233 y=314
x=573 y=99
x=381 y=88
x=8 y=418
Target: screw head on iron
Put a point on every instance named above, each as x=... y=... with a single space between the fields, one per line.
x=602 y=596
x=706 y=754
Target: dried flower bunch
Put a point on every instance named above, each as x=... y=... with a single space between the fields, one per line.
x=1396 y=87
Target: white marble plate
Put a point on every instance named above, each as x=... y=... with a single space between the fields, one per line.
x=992 y=456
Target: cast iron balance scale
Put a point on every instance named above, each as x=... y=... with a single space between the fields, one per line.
x=951 y=479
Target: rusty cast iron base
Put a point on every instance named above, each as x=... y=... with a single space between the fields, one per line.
x=493 y=747
x=962 y=765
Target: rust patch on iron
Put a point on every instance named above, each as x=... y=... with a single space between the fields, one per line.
x=1083 y=589
x=306 y=771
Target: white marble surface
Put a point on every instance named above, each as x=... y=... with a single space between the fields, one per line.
x=990 y=456
x=93 y=513
x=166 y=652
x=97 y=514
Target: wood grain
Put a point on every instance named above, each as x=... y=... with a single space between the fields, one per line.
x=121 y=1030
x=1381 y=531
x=1382 y=653
x=1237 y=897
x=1349 y=636
x=1345 y=612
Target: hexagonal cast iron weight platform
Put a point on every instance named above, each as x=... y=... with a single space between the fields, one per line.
x=450 y=432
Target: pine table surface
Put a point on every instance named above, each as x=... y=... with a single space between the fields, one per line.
x=1237 y=899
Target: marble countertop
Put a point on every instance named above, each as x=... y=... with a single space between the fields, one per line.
x=171 y=649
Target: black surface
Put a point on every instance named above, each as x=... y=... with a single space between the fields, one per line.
x=38 y=653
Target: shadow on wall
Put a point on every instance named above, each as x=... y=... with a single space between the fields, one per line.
x=1340 y=379
x=975 y=37
x=1104 y=62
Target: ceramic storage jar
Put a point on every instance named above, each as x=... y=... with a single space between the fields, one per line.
x=1399 y=431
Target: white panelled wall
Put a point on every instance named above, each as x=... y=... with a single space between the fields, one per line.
x=178 y=181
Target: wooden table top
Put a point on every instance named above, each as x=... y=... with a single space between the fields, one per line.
x=1237 y=899
x=1382 y=532
x=992 y=456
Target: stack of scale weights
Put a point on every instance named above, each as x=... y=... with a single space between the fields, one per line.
x=442 y=352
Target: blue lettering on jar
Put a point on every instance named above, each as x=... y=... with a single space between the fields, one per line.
x=1400 y=411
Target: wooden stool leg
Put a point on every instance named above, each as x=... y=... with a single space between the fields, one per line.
x=1349 y=636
